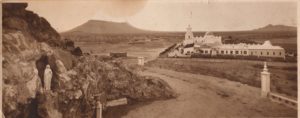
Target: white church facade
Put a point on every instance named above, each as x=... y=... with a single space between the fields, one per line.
x=212 y=45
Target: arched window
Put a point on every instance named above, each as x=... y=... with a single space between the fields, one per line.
x=201 y=51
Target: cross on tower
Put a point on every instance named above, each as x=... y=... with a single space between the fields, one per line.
x=189 y=28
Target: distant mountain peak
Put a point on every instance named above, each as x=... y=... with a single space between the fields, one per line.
x=271 y=27
x=106 y=27
x=105 y=21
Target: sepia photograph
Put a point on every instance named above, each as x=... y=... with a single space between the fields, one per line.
x=149 y=59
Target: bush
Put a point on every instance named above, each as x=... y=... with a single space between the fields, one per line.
x=77 y=51
x=69 y=43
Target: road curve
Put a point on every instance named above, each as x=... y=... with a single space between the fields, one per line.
x=208 y=97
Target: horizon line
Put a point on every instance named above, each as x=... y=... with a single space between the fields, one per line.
x=177 y=30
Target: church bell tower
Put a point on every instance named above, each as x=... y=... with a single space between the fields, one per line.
x=189 y=33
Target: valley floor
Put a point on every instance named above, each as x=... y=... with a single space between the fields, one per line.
x=206 y=96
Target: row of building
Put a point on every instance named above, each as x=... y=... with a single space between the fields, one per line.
x=212 y=45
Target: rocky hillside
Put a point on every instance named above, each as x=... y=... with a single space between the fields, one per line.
x=77 y=82
x=15 y=17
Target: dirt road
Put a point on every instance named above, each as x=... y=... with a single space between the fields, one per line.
x=205 y=96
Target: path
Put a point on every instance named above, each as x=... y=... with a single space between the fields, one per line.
x=205 y=96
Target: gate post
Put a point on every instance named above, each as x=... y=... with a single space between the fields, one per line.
x=265 y=81
x=99 y=110
x=141 y=61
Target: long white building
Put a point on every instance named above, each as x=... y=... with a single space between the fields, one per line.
x=213 y=46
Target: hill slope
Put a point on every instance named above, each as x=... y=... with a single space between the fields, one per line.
x=271 y=27
x=106 y=27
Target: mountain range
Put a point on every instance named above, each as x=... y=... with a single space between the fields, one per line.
x=108 y=27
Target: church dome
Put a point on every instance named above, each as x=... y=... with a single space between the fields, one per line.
x=209 y=33
x=267 y=43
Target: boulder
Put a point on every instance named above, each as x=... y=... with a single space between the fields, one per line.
x=34 y=84
x=85 y=86
x=46 y=49
x=72 y=72
x=60 y=67
x=77 y=94
x=64 y=77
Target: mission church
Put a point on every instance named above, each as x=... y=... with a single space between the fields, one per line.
x=212 y=45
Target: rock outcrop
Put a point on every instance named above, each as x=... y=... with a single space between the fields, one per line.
x=16 y=17
x=77 y=83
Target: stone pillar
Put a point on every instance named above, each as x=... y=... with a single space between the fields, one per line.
x=99 y=110
x=141 y=61
x=265 y=81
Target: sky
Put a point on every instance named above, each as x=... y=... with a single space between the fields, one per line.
x=169 y=15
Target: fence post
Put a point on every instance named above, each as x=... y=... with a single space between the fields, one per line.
x=265 y=81
x=141 y=61
x=99 y=110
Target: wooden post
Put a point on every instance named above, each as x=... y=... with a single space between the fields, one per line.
x=117 y=102
x=99 y=110
x=141 y=61
x=99 y=106
x=265 y=81
x=2 y=114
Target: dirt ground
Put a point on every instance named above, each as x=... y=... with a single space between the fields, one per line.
x=206 y=96
x=283 y=74
x=199 y=96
